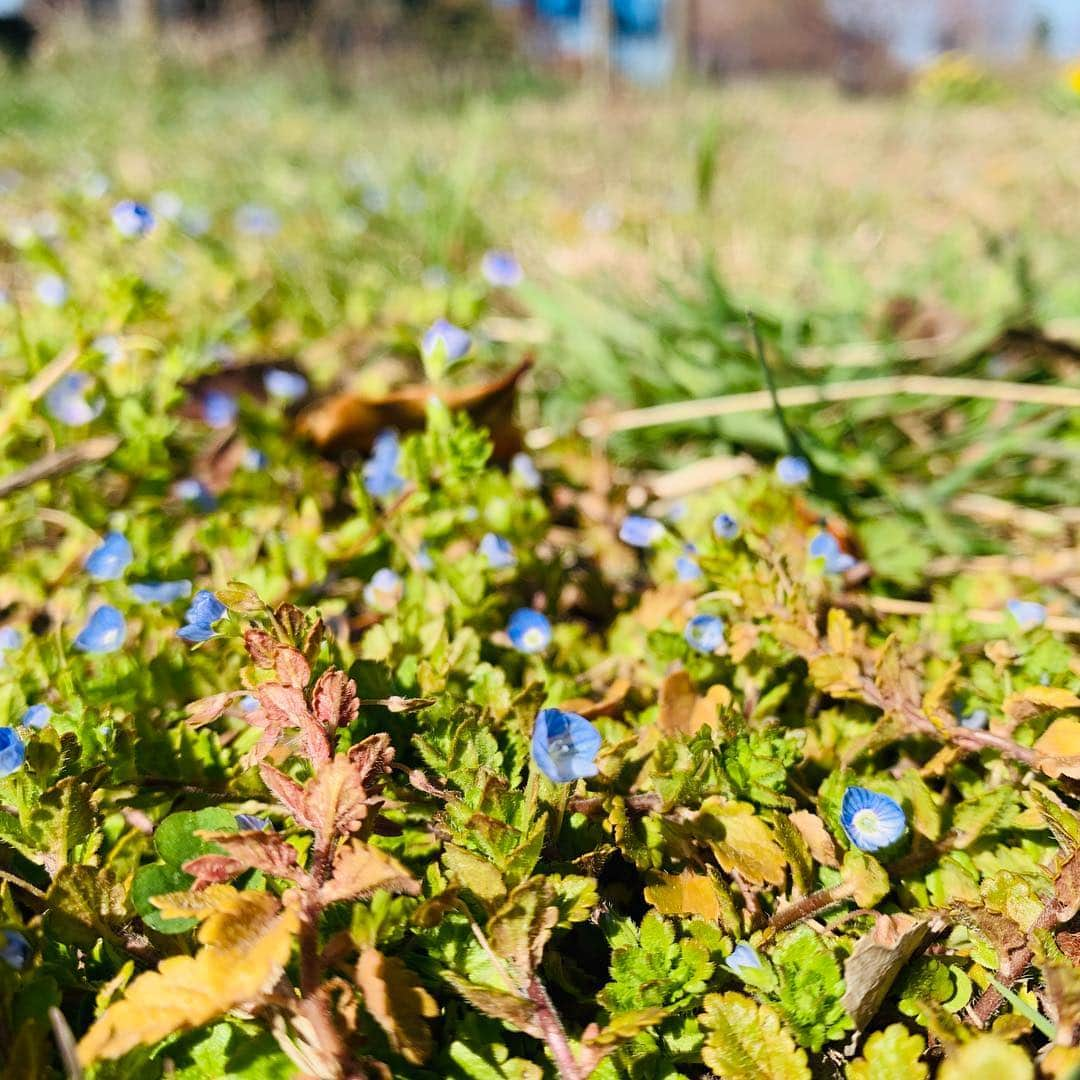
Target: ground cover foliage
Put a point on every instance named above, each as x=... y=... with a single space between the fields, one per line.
x=394 y=751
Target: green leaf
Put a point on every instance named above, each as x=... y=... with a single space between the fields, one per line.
x=156 y=879
x=746 y=1041
x=175 y=837
x=892 y=1054
x=811 y=988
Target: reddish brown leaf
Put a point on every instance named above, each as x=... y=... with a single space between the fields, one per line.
x=256 y=850
x=290 y=794
x=261 y=647
x=291 y=667
x=334 y=700
x=313 y=639
x=372 y=757
x=287 y=706
x=292 y=621
x=360 y=869
x=335 y=798
x=209 y=708
x=212 y=870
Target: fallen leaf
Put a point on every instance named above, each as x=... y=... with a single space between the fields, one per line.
x=875 y=962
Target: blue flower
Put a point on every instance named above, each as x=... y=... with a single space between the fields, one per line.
x=640 y=532
x=423 y=558
x=871 y=821
x=203 y=611
x=218 y=408
x=256 y=220
x=976 y=720
x=110 y=558
x=104 y=631
x=14 y=949
x=454 y=341
x=384 y=590
x=823 y=545
x=110 y=347
x=705 y=633
x=498 y=551
x=249 y=822
x=725 y=527
x=525 y=471
x=10 y=638
x=12 y=751
x=381 y=476
x=565 y=745
x=66 y=400
x=254 y=459
x=1027 y=613
x=742 y=958
x=287 y=385
x=793 y=471
x=501 y=269
x=37 y=716
x=195 y=492
x=687 y=569
x=52 y=290
x=529 y=631
x=249 y=703
x=161 y=592
x=132 y=218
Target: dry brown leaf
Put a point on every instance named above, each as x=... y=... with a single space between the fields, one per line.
x=1061 y=739
x=818 y=840
x=875 y=962
x=686 y=894
x=360 y=869
x=257 y=850
x=608 y=705
x=682 y=712
x=334 y=700
x=247 y=939
x=394 y=997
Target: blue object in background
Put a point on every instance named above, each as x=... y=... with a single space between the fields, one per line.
x=638 y=18
x=558 y=9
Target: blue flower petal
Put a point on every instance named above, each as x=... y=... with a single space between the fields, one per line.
x=565 y=745
x=525 y=471
x=1027 y=613
x=52 y=290
x=161 y=592
x=498 y=551
x=687 y=569
x=196 y=632
x=725 y=527
x=742 y=958
x=705 y=633
x=381 y=477
x=529 y=631
x=132 y=218
x=454 y=341
x=501 y=269
x=205 y=609
x=639 y=531
x=104 y=631
x=218 y=408
x=872 y=821
x=37 y=716
x=66 y=400
x=12 y=751
x=287 y=385
x=14 y=949
x=110 y=558
x=793 y=471
x=249 y=822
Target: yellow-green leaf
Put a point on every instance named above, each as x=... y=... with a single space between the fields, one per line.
x=746 y=1041
x=399 y=1004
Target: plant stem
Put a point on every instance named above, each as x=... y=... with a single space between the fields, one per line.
x=811 y=905
x=554 y=1034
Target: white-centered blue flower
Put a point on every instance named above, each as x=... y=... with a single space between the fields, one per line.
x=161 y=592
x=104 y=631
x=218 y=408
x=529 y=631
x=132 y=219
x=524 y=470
x=501 y=269
x=639 y=531
x=872 y=821
x=498 y=551
x=110 y=558
x=823 y=545
x=725 y=527
x=52 y=290
x=37 y=716
x=453 y=340
x=384 y=591
x=14 y=949
x=565 y=745
x=705 y=633
x=742 y=958
x=286 y=385
x=67 y=402
x=1027 y=613
x=793 y=471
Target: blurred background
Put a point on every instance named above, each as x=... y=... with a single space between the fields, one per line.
x=891 y=188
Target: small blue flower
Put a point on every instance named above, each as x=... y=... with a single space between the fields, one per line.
x=256 y=220
x=52 y=290
x=871 y=821
x=132 y=218
x=381 y=476
x=1027 y=613
x=110 y=558
x=66 y=400
x=195 y=492
x=529 y=631
x=10 y=638
x=203 y=611
x=37 y=716
x=565 y=745
x=501 y=269
x=254 y=459
x=104 y=631
x=454 y=341
x=424 y=559
x=725 y=527
x=383 y=592
x=976 y=720
x=14 y=949
x=110 y=347
x=686 y=565
x=705 y=633
x=249 y=703
x=498 y=551
x=525 y=471
x=742 y=958
x=287 y=385
x=251 y=823
x=640 y=532
x=161 y=592
x=218 y=408
x=823 y=545
x=793 y=471
x=12 y=751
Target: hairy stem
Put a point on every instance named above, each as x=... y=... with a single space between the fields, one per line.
x=811 y=905
x=554 y=1035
